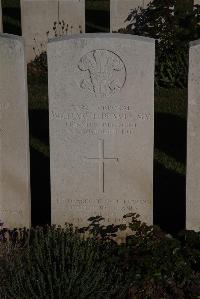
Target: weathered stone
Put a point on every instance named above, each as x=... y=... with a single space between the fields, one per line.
x=119 y=11
x=193 y=140
x=14 y=143
x=73 y=14
x=101 y=97
x=43 y=19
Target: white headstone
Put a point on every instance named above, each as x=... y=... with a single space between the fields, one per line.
x=39 y=17
x=14 y=136
x=73 y=13
x=1 y=21
x=101 y=97
x=193 y=140
x=119 y=11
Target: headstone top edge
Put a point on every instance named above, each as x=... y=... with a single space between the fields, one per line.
x=103 y=35
x=12 y=36
x=194 y=43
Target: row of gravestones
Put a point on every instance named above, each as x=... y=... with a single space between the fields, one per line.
x=45 y=19
x=101 y=115
x=41 y=20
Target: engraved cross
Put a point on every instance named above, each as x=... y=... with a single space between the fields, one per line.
x=101 y=160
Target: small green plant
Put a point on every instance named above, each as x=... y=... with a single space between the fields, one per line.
x=60 y=263
x=173 y=30
x=60 y=28
x=158 y=265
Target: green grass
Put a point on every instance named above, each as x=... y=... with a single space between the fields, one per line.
x=98 y=5
x=38 y=91
x=169 y=162
x=171 y=101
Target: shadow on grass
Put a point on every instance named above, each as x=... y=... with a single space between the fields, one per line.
x=97 y=21
x=169 y=199
x=170 y=135
x=40 y=168
x=39 y=125
x=40 y=189
x=169 y=186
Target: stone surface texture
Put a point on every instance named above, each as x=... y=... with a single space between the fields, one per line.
x=14 y=136
x=193 y=140
x=119 y=11
x=101 y=97
x=39 y=17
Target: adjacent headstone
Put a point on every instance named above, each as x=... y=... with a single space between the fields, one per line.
x=101 y=97
x=43 y=19
x=119 y=11
x=72 y=12
x=1 y=21
x=14 y=136
x=193 y=140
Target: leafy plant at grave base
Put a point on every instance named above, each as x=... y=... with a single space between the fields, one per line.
x=59 y=263
x=162 y=268
x=172 y=30
x=56 y=262
x=100 y=231
x=190 y=243
x=157 y=264
x=11 y=246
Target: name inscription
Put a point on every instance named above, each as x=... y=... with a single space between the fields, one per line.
x=106 y=119
x=8 y=212
x=4 y=106
x=98 y=207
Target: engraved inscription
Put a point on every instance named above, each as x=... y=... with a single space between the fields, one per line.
x=104 y=72
x=4 y=106
x=103 y=119
x=4 y=212
x=99 y=206
x=101 y=159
